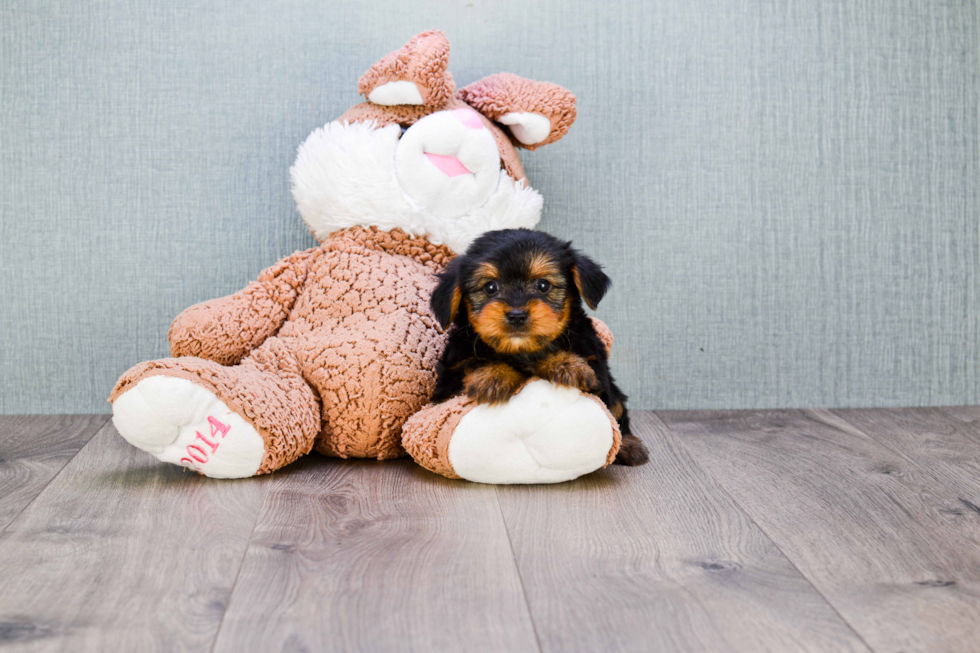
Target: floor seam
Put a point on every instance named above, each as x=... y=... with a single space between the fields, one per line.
x=241 y=564
x=923 y=470
x=517 y=568
x=99 y=429
x=680 y=442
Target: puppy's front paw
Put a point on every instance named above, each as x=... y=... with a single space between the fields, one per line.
x=632 y=452
x=493 y=383
x=568 y=369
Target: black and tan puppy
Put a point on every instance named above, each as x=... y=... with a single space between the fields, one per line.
x=514 y=301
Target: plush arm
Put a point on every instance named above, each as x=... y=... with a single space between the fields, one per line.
x=605 y=335
x=426 y=436
x=226 y=330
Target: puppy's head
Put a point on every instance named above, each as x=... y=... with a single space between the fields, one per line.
x=517 y=288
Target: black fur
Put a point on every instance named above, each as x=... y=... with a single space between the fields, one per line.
x=442 y=296
x=594 y=282
x=509 y=250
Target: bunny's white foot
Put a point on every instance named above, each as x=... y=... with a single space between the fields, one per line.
x=180 y=422
x=543 y=434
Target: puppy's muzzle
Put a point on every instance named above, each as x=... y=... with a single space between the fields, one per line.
x=517 y=317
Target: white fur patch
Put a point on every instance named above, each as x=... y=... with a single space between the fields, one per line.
x=528 y=128
x=177 y=421
x=544 y=434
x=344 y=176
x=443 y=196
x=393 y=93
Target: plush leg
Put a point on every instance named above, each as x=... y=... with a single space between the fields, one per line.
x=370 y=379
x=543 y=434
x=224 y=422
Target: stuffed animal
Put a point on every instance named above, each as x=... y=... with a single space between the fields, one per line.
x=334 y=349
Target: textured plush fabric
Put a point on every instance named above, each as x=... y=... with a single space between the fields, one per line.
x=353 y=360
x=267 y=389
x=422 y=62
x=605 y=335
x=784 y=194
x=427 y=433
x=368 y=340
x=225 y=330
x=503 y=93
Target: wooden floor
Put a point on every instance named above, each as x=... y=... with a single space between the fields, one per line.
x=748 y=531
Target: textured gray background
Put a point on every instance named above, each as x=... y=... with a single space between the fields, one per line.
x=785 y=193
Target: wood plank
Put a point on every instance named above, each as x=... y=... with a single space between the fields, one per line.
x=941 y=442
x=33 y=449
x=969 y=415
x=659 y=558
x=123 y=553
x=884 y=542
x=367 y=556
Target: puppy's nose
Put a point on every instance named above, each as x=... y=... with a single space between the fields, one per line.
x=516 y=316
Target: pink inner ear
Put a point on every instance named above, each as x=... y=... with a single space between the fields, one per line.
x=449 y=165
x=468 y=117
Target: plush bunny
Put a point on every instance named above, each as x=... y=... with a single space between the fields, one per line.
x=334 y=348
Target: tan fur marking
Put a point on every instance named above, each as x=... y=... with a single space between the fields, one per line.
x=541 y=265
x=544 y=325
x=491 y=325
x=492 y=383
x=487 y=272
x=454 y=304
x=578 y=284
x=568 y=369
x=616 y=409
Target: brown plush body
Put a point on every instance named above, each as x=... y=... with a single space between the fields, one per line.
x=332 y=348
x=514 y=300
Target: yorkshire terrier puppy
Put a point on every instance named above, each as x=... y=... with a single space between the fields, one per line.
x=514 y=300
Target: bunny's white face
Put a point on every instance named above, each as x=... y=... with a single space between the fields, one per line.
x=442 y=179
x=448 y=162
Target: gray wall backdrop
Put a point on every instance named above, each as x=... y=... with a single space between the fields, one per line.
x=785 y=193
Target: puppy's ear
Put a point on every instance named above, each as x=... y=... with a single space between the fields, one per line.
x=448 y=293
x=591 y=281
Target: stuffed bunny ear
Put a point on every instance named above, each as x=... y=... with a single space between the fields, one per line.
x=416 y=74
x=537 y=113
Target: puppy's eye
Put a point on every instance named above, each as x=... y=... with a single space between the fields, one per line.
x=542 y=285
x=491 y=288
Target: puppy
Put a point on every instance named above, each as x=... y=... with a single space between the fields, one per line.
x=514 y=300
